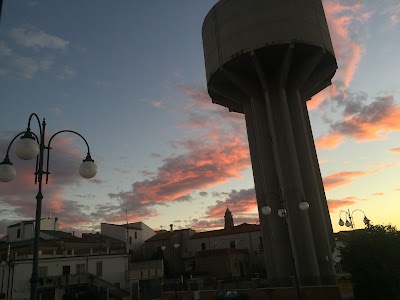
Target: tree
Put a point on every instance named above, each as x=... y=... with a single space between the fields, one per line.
x=372 y=256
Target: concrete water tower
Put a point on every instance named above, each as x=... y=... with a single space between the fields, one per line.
x=265 y=59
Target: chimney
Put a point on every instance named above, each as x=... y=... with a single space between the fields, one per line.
x=171 y=226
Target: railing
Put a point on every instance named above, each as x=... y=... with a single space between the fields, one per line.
x=79 y=279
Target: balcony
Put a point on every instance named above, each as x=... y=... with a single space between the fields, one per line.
x=64 y=281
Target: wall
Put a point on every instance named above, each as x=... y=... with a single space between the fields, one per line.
x=117 y=232
x=114 y=270
x=27 y=230
x=146 y=270
x=247 y=240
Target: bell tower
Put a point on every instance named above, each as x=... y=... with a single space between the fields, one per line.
x=228 y=218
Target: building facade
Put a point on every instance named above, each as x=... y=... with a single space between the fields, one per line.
x=133 y=234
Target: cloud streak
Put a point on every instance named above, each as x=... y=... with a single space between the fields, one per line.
x=32 y=37
x=346 y=43
x=343 y=178
x=363 y=122
x=216 y=152
x=335 y=204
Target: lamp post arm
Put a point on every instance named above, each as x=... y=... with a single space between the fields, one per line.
x=41 y=130
x=49 y=147
x=343 y=211
x=352 y=219
x=12 y=141
x=71 y=131
x=357 y=210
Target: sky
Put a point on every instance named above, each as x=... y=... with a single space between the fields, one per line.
x=129 y=76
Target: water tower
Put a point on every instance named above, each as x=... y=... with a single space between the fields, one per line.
x=265 y=59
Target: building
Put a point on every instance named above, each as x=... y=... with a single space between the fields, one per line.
x=133 y=234
x=232 y=251
x=94 y=265
x=174 y=248
x=69 y=277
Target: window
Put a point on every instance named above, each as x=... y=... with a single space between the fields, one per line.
x=80 y=268
x=232 y=245
x=18 y=233
x=135 y=235
x=42 y=271
x=99 y=268
x=66 y=270
x=130 y=240
x=203 y=246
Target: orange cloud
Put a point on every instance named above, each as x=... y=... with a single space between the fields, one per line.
x=241 y=203
x=395 y=150
x=204 y=165
x=366 y=122
x=342 y=178
x=329 y=141
x=335 y=204
x=348 y=51
x=216 y=152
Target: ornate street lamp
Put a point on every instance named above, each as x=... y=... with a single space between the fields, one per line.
x=350 y=220
x=28 y=147
x=282 y=212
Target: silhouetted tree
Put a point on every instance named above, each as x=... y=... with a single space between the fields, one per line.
x=372 y=256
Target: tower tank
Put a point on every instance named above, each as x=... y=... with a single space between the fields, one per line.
x=265 y=59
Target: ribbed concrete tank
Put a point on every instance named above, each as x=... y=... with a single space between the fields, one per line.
x=266 y=58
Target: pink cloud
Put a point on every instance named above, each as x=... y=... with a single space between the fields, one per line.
x=158 y=103
x=202 y=114
x=335 y=204
x=329 y=141
x=348 y=51
x=366 y=122
x=242 y=204
x=206 y=164
x=239 y=202
x=216 y=152
x=342 y=178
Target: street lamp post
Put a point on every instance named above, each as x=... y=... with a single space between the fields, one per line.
x=282 y=212
x=28 y=147
x=176 y=246
x=3 y=266
x=350 y=220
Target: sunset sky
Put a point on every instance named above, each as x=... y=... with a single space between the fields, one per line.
x=129 y=76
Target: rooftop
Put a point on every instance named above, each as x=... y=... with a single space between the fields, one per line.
x=164 y=235
x=242 y=228
x=137 y=225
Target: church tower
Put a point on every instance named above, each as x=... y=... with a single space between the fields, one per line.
x=228 y=218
